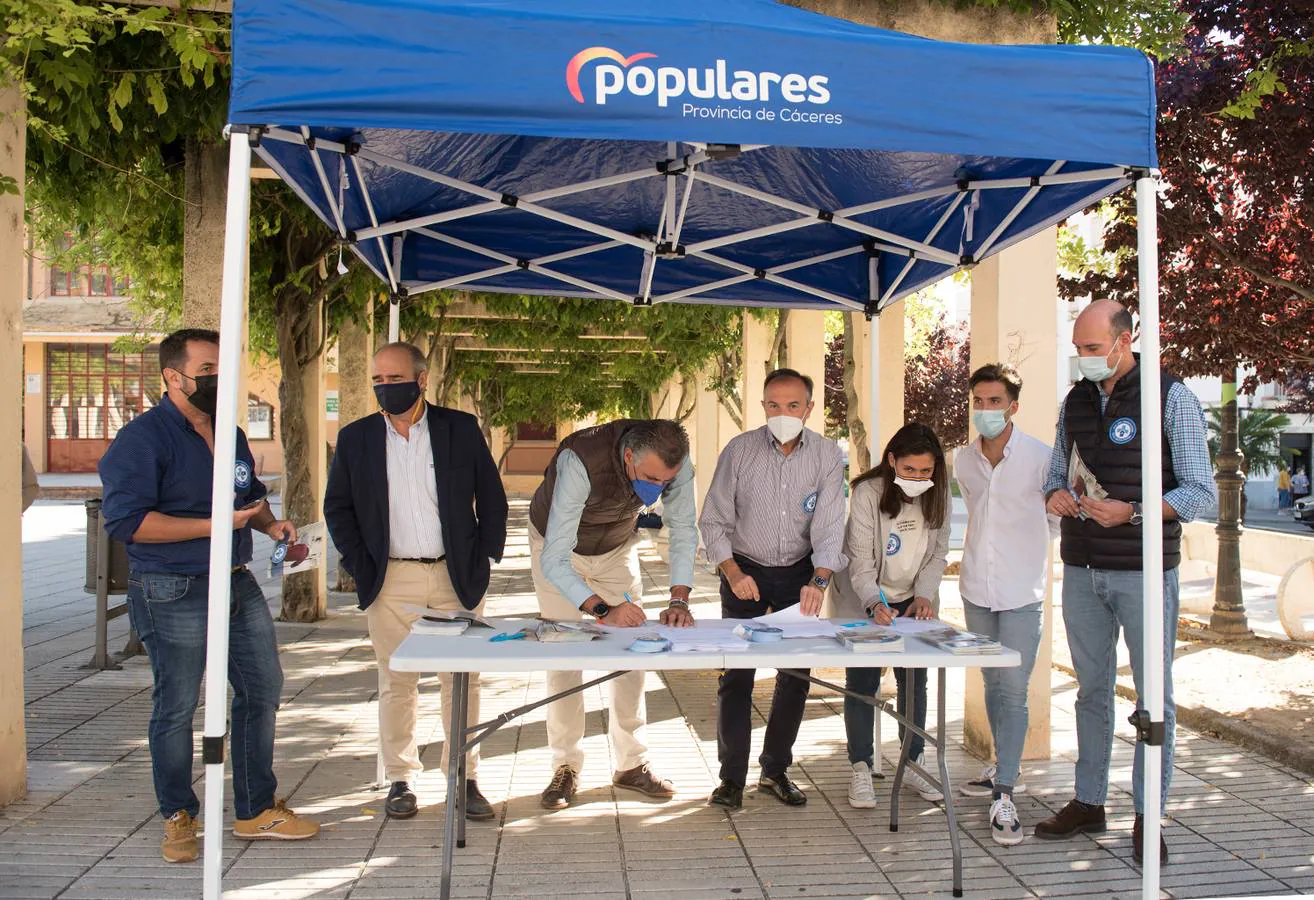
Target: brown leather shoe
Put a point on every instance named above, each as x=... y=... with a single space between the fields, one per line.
x=1138 y=842
x=559 y=793
x=1073 y=819
x=641 y=779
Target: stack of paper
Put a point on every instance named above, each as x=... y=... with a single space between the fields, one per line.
x=871 y=640
x=960 y=643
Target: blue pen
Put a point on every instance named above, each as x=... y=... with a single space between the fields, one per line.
x=628 y=598
x=509 y=636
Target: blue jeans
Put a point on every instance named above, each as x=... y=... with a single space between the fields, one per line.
x=169 y=613
x=1096 y=603
x=1006 y=688
x=860 y=718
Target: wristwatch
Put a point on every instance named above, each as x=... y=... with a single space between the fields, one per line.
x=598 y=610
x=679 y=601
x=1136 y=517
x=820 y=582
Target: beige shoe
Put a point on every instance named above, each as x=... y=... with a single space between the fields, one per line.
x=179 y=844
x=278 y=823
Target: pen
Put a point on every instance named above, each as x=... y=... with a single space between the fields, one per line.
x=509 y=636
x=628 y=598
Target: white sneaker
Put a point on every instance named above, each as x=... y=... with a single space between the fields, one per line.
x=985 y=785
x=1005 y=827
x=914 y=780
x=861 y=793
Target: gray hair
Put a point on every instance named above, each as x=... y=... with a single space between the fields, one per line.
x=667 y=439
x=419 y=362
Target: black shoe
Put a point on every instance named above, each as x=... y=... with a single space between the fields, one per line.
x=401 y=801
x=1138 y=842
x=782 y=789
x=477 y=806
x=561 y=790
x=1074 y=819
x=728 y=795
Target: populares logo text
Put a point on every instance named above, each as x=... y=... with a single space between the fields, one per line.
x=615 y=74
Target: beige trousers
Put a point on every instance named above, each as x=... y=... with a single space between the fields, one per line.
x=610 y=576
x=417 y=584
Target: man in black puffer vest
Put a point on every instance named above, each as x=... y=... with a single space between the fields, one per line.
x=1101 y=547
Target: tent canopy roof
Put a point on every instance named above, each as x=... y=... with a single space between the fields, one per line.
x=741 y=151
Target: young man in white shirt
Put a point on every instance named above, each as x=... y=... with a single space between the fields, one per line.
x=1002 y=478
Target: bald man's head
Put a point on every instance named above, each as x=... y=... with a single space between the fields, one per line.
x=1104 y=330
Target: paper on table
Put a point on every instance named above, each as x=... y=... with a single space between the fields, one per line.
x=796 y=625
x=918 y=626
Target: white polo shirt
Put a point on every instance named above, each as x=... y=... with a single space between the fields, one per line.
x=1008 y=530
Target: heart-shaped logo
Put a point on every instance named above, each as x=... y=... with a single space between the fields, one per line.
x=584 y=57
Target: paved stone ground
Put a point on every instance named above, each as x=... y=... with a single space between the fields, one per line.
x=1242 y=824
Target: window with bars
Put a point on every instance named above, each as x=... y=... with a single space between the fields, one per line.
x=92 y=390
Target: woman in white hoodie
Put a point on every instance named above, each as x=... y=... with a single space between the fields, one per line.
x=897 y=543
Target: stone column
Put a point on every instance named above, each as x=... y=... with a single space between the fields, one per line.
x=13 y=740
x=757 y=348
x=355 y=355
x=706 y=436
x=1015 y=320
x=889 y=413
x=355 y=390
x=805 y=334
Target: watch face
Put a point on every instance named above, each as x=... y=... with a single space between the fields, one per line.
x=600 y=609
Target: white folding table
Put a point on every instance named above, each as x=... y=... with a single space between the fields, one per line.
x=474 y=652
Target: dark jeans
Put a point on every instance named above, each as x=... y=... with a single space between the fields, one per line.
x=860 y=718
x=169 y=613
x=779 y=588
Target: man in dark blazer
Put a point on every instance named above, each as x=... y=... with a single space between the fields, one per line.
x=416 y=509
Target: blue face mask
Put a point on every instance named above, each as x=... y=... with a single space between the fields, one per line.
x=647 y=492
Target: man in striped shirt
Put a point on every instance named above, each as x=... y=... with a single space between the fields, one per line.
x=773 y=523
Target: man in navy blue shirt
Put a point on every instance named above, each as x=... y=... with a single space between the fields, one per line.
x=157 y=482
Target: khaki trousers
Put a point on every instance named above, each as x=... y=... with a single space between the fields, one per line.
x=610 y=576
x=417 y=584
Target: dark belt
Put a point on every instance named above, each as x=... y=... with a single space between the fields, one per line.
x=427 y=560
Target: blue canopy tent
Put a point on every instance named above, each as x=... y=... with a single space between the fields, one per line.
x=740 y=152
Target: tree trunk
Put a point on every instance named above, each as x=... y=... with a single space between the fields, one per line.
x=1229 y=616
x=859 y=451
x=778 y=358
x=294 y=323
x=205 y=179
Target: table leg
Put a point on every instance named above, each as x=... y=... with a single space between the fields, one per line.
x=945 y=786
x=458 y=736
x=454 y=750
x=905 y=747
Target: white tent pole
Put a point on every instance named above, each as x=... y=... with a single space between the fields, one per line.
x=1147 y=231
x=231 y=317
x=394 y=319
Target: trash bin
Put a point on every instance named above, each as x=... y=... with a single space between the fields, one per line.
x=118 y=555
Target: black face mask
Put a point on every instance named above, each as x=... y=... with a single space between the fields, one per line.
x=206 y=396
x=397 y=397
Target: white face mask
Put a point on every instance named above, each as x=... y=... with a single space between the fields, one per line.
x=1097 y=368
x=913 y=489
x=785 y=428
x=989 y=422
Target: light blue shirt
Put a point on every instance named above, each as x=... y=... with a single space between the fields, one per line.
x=1184 y=425
x=568 y=498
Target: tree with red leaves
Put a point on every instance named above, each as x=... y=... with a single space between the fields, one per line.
x=1236 y=226
x=935 y=383
x=1236 y=221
